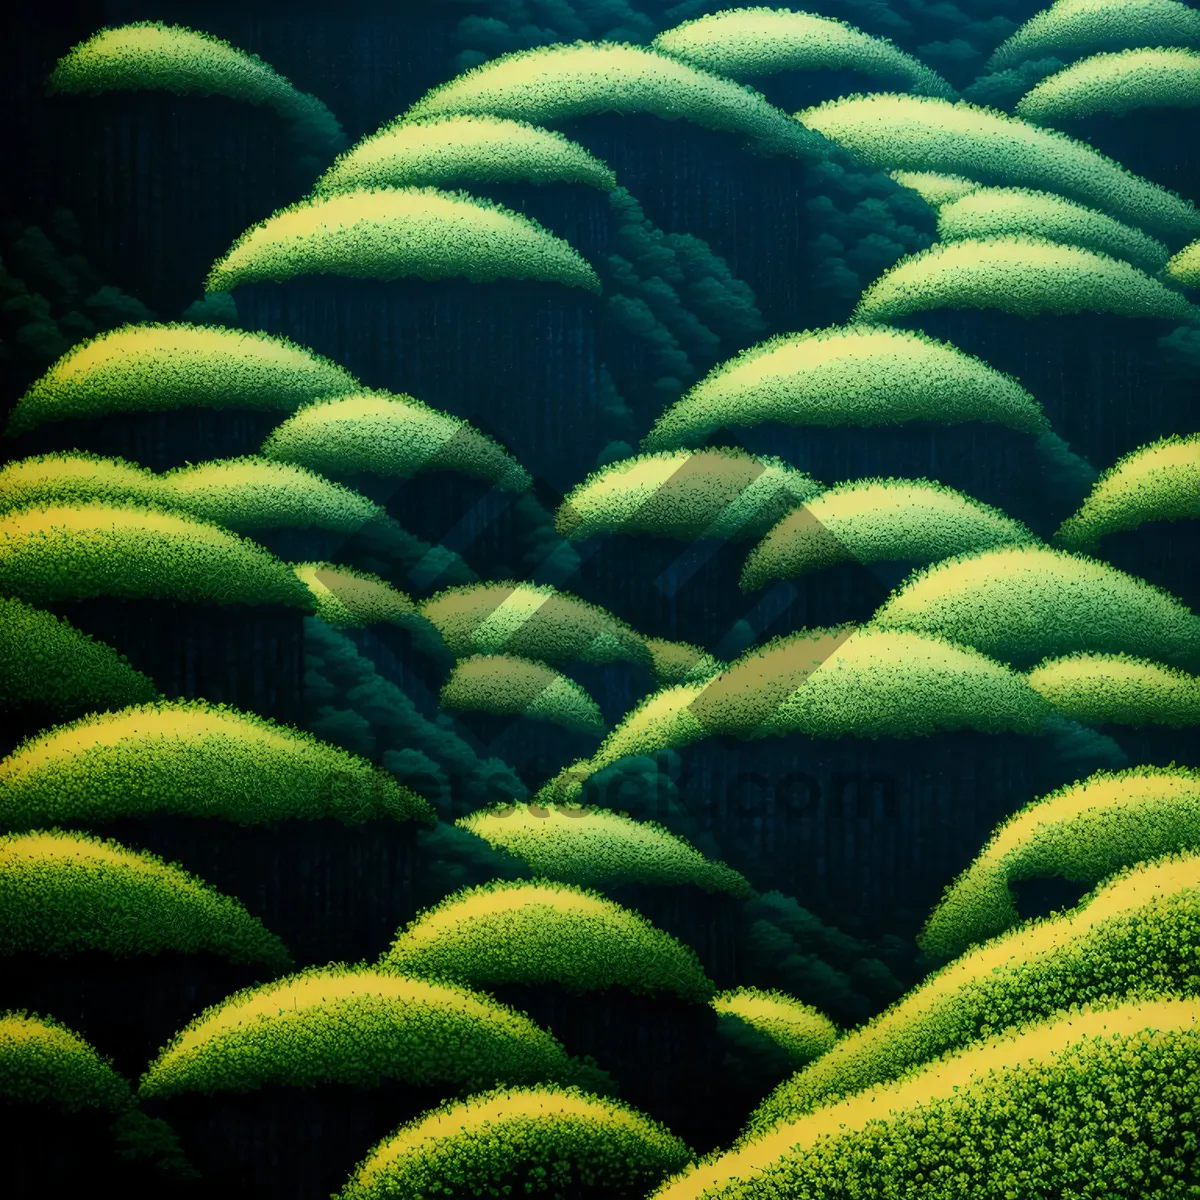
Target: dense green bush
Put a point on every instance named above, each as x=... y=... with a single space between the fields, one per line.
x=853 y=375
x=1063 y=1107
x=535 y=932
x=539 y=1139
x=383 y=434
x=554 y=83
x=350 y=599
x=1000 y=212
x=878 y=520
x=360 y=1026
x=1022 y=604
x=67 y=893
x=1158 y=482
x=151 y=368
x=463 y=148
x=59 y=552
x=1072 y=29
x=1185 y=266
x=1114 y=688
x=681 y=662
x=593 y=847
x=744 y=42
x=390 y=233
x=196 y=759
x=1128 y=937
x=684 y=494
x=1115 y=84
x=798 y=1029
x=935 y=188
x=920 y=133
x=1022 y=275
x=44 y=659
x=76 y=477
x=533 y=621
x=151 y=55
x=1083 y=832
x=504 y=684
x=42 y=1060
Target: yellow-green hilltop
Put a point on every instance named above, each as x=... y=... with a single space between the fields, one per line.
x=921 y=133
x=538 y=931
x=1082 y=832
x=42 y=1061
x=593 y=847
x=531 y=620
x=479 y=1144
x=1028 y=276
x=681 y=662
x=195 y=759
x=852 y=375
x=1127 y=937
x=1072 y=29
x=878 y=520
x=150 y=368
x=504 y=684
x=66 y=893
x=1185 y=266
x=151 y=55
x=44 y=659
x=1101 y=689
x=744 y=42
x=935 y=188
x=685 y=494
x=360 y=1026
x=383 y=434
x=1157 y=482
x=59 y=552
x=556 y=83
x=1116 y=84
x=393 y=233
x=998 y=212
x=463 y=149
x=800 y=1030
x=1024 y=603
x=947 y=1128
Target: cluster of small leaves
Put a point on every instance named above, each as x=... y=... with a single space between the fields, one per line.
x=681 y=662
x=744 y=42
x=685 y=494
x=1000 y=212
x=520 y=1141
x=1022 y=604
x=151 y=55
x=555 y=83
x=44 y=659
x=65 y=893
x=854 y=375
x=934 y=188
x=391 y=233
x=1157 y=482
x=879 y=520
x=463 y=148
x=1083 y=832
x=504 y=684
x=538 y=931
x=534 y=621
x=1185 y=266
x=1114 y=84
x=154 y=368
x=195 y=759
x=1072 y=29
x=357 y=1025
x=395 y=435
x=1093 y=1104
x=77 y=551
x=1129 y=937
x=1022 y=275
x=41 y=1060
x=594 y=847
x=800 y=1030
x=1100 y=689
x=920 y=133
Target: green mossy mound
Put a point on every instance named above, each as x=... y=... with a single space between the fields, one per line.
x=1100 y=689
x=799 y=1030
